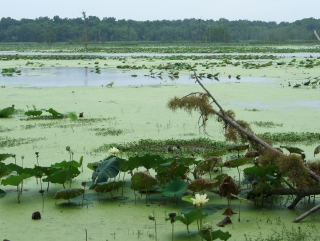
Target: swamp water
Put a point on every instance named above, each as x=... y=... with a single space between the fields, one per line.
x=143 y=114
x=63 y=76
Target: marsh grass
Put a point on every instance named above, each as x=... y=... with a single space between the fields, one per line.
x=12 y=142
x=253 y=109
x=5 y=129
x=306 y=138
x=266 y=124
x=293 y=234
x=108 y=131
x=160 y=147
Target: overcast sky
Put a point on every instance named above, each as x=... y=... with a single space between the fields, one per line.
x=141 y=10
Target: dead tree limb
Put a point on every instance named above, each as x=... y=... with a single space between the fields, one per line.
x=306 y=214
x=239 y=128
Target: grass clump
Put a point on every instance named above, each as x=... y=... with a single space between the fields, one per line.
x=108 y=131
x=11 y=142
x=160 y=147
x=306 y=138
x=266 y=124
x=293 y=234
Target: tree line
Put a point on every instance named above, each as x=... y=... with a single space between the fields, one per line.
x=94 y=29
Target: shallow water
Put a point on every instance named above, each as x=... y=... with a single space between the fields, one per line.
x=301 y=55
x=63 y=76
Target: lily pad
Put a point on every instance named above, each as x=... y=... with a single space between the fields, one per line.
x=68 y=193
x=175 y=188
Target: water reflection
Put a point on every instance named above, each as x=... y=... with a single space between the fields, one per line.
x=87 y=77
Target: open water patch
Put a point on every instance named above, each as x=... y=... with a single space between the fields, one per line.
x=77 y=76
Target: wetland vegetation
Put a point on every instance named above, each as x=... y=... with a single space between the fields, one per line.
x=164 y=180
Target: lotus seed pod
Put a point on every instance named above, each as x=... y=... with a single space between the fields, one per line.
x=22 y=157
x=68 y=148
x=151 y=217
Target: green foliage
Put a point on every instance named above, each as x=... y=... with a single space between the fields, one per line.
x=4 y=170
x=109 y=187
x=4 y=156
x=6 y=112
x=54 y=113
x=33 y=113
x=316 y=150
x=160 y=147
x=238 y=147
x=73 y=116
x=2 y=193
x=143 y=181
x=237 y=162
x=68 y=193
x=106 y=169
x=62 y=175
x=266 y=124
x=14 y=180
x=306 y=138
x=189 y=217
x=211 y=234
x=293 y=149
x=175 y=188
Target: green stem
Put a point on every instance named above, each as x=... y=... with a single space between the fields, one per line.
x=172 y=230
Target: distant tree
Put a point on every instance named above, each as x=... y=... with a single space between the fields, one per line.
x=85 y=31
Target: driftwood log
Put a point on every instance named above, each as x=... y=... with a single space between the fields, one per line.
x=299 y=193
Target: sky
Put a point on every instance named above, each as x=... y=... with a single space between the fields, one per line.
x=142 y=10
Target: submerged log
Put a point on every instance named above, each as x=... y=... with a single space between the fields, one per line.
x=306 y=214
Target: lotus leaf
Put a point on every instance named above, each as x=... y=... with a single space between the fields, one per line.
x=261 y=187
x=317 y=150
x=61 y=176
x=106 y=169
x=68 y=193
x=2 y=193
x=237 y=162
x=33 y=113
x=292 y=149
x=147 y=161
x=4 y=170
x=190 y=217
x=142 y=181
x=4 y=156
x=241 y=199
x=67 y=164
x=169 y=170
x=109 y=187
x=175 y=188
x=238 y=147
x=206 y=210
x=261 y=171
x=54 y=113
x=73 y=116
x=216 y=153
x=14 y=180
x=200 y=184
x=6 y=112
x=220 y=179
x=215 y=234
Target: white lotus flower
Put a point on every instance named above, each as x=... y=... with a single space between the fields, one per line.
x=113 y=151
x=200 y=199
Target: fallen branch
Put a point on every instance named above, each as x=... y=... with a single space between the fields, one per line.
x=306 y=214
x=249 y=134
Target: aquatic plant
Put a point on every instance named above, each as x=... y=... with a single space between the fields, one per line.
x=6 y=112
x=175 y=188
x=241 y=199
x=68 y=194
x=153 y=218
x=142 y=181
